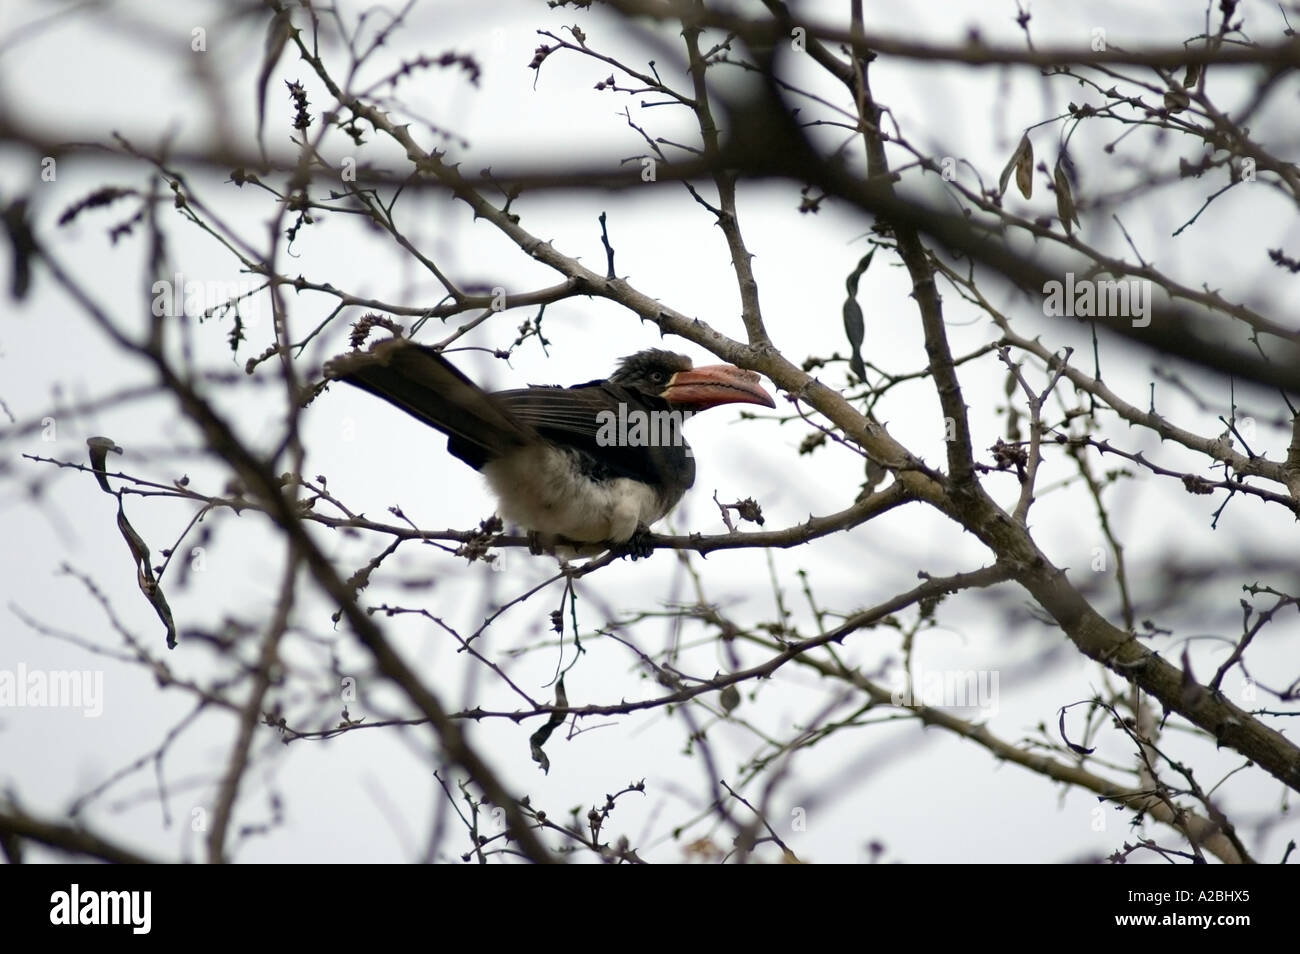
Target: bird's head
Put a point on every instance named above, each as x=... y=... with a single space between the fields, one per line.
x=672 y=378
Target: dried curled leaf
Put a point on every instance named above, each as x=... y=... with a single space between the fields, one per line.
x=1022 y=164
x=1073 y=747
x=854 y=324
x=538 y=738
x=1065 y=207
x=100 y=447
x=18 y=228
x=99 y=450
x=278 y=31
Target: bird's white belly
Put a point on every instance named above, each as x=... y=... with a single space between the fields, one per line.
x=542 y=490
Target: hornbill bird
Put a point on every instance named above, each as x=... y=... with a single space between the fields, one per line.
x=593 y=463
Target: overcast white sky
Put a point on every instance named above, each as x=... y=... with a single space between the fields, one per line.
x=368 y=796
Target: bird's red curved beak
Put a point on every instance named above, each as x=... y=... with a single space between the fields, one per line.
x=715 y=384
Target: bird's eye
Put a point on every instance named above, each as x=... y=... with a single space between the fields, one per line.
x=657 y=377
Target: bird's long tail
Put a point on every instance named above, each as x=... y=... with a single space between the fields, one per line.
x=423 y=383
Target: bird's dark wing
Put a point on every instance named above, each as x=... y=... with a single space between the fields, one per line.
x=586 y=418
x=569 y=414
x=425 y=385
